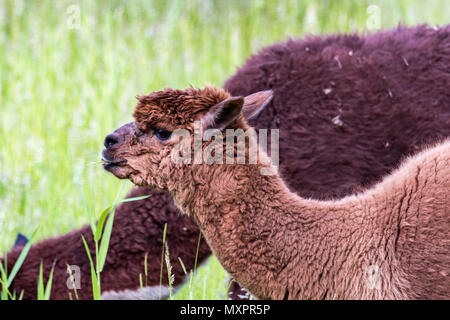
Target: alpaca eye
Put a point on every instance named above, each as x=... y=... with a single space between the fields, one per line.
x=162 y=134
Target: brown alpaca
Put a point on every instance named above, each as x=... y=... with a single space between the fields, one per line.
x=390 y=242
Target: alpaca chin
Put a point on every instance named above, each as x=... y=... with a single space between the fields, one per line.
x=118 y=170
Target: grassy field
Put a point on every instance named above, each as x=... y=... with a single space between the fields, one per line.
x=69 y=72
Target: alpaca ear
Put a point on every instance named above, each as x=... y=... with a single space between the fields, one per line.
x=223 y=113
x=255 y=103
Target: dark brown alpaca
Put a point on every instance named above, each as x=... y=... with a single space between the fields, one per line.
x=349 y=108
x=272 y=241
x=137 y=231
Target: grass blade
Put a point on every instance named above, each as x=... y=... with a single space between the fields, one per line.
x=105 y=242
x=135 y=198
x=48 y=288
x=40 y=285
x=146 y=269
x=20 y=260
x=5 y=291
x=198 y=249
x=162 y=261
x=170 y=275
x=95 y=285
x=101 y=221
x=3 y=280
x=182 y=266
x=18 y=263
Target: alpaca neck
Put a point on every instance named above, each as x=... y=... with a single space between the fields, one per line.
x=261 y=232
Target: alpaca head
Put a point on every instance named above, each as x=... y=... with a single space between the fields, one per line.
x=143 y=151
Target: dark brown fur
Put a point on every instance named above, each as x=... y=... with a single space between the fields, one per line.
x=389 y=90
x=138 y=230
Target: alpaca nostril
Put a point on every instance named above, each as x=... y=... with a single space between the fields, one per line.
x=111 y=139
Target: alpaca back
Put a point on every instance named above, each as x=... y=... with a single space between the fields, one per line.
x=395 y=236
x=423 y=244
x=413 y=208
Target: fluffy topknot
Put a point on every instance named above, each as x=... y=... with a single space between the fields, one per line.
x=172 y=108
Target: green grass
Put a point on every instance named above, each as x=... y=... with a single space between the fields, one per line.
x=63 y=89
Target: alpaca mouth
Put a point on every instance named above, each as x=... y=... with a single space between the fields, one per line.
x=107 y=162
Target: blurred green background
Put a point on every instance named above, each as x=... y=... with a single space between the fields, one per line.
x=69 y=72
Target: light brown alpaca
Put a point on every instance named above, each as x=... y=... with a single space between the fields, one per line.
x=390 y=242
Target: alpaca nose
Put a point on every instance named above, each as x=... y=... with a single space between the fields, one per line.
x=111 y=139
